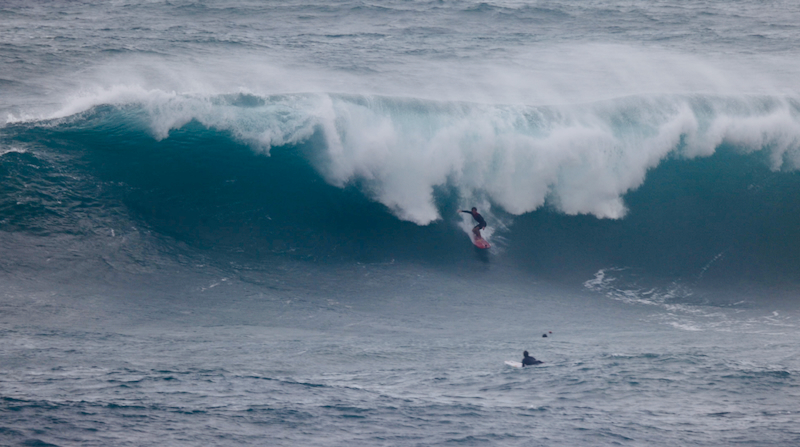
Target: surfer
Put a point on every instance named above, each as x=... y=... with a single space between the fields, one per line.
x=478 y=218
x=528 y=360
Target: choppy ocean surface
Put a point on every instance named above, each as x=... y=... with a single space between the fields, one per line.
x=236 y=223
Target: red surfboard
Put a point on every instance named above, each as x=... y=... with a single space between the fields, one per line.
x=480 y=242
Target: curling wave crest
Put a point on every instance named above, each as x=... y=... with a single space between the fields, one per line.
x=580 y=159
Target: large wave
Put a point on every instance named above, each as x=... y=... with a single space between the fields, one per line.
x=667 y=182
x=582 y=159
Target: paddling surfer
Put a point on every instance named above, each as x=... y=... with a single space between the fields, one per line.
x=528 y=360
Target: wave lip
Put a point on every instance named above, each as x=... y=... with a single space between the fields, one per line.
x=663 y=180
x=582 y=159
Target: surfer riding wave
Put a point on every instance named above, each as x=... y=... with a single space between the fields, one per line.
x=478 y=218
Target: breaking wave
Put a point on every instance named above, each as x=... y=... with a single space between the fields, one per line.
x=666 y=182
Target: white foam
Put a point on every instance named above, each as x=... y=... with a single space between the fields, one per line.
x=486 y=132
x=578 y=158
x=582 y=159
x=11 y=149
x=676 y=306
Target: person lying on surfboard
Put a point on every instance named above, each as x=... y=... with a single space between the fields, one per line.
x=478 y=218
x=528 y=360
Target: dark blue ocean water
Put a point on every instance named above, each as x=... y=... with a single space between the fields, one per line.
x=236 y=223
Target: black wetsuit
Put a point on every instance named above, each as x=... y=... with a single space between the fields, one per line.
x=481 y=223
x=527 y=361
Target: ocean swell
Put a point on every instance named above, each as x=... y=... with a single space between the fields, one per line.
x=666 y=184
x=581 y=158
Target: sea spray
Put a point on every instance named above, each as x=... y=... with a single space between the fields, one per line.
x=582 y=159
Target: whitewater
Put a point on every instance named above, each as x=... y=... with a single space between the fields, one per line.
x=237 y=222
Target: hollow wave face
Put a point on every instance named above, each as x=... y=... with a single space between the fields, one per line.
x=581 y=159
x=666 y=182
